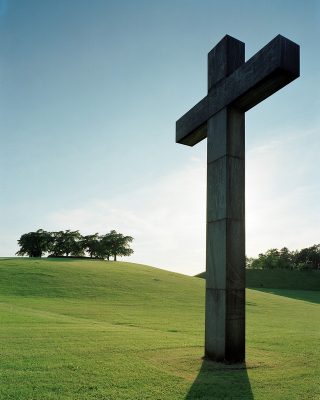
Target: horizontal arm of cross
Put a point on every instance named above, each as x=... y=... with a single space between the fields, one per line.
x=273 y=67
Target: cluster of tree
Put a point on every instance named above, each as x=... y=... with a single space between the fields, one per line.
x=72 y=243
x=305 y=259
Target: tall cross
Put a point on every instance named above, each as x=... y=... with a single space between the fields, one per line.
x=234 y=86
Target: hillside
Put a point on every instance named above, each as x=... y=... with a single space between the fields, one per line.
x=280 y=279
x=78 y=329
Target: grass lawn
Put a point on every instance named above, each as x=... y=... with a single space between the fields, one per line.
x=110 y=331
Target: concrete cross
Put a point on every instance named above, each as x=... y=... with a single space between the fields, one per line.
x=234 y=86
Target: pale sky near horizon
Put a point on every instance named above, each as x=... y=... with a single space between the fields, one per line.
x=89 y=95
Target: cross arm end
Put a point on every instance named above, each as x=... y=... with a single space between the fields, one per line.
x=191 y=128
x=193 y=137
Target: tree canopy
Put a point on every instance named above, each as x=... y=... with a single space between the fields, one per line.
x=66 y=243
x=72 y=243
x=305 y=259
x=118 y=244
x=34 y=244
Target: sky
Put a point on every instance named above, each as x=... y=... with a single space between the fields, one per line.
x=89 y=94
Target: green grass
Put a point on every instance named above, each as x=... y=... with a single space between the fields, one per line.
x=95 y=330
x=280 y=279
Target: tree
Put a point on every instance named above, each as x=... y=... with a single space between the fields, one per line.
x=34 y=244
x=66 y=243
x=105 y=247
x=272 y=259
x=308 y=258
x=116 y=244
x=72 y=243
x=286 y=258
x=92 y=244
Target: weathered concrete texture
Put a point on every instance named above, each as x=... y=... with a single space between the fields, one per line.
x=225 y=180
x=219 y=64
x=233 y=87
x=215 y=328
x=225 y=254
x=225 y=258
x=219 y=144
x=216 y=258
x=273 y=67
x=236 y=254
x=235 y=326
x=225 y=325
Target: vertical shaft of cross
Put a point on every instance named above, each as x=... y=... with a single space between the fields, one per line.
x=225 y=254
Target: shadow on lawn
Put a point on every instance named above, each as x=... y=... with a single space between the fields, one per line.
x=306 y=295
x=220 y=381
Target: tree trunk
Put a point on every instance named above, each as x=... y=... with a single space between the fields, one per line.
x=115 y=257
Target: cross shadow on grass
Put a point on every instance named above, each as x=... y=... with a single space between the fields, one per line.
x=220 y=381
x=306 y=295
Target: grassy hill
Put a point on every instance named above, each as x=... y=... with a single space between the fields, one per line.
x=280 y=279
x=74 y=329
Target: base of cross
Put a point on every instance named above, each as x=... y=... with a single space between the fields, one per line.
x=225 y=325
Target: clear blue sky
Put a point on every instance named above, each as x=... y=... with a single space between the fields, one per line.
x=90 y=92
